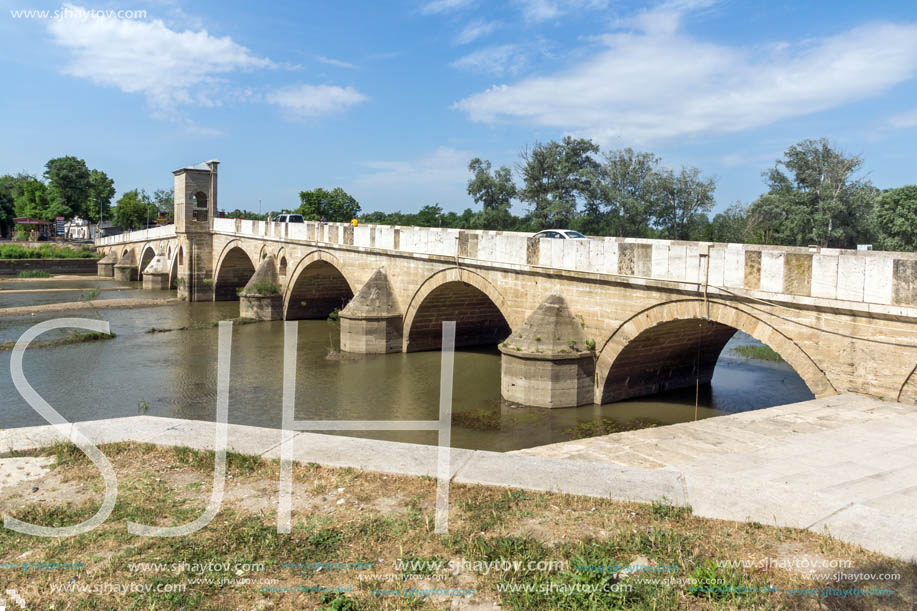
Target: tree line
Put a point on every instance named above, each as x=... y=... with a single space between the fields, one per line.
x=68 y=188
x=815 y=195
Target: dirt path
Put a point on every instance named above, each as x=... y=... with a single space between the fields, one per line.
x=105 y=304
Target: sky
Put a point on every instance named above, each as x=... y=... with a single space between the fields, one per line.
x=391 y=100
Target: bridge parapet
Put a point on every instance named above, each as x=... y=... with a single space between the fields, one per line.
x=868 y=277
x=143 y=235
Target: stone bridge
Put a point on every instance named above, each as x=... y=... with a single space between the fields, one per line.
x=576 y=321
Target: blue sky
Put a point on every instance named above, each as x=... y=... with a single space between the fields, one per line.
x=391 y=100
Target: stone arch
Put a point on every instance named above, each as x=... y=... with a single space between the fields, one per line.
x=174 y=263
x=234 y=268
x=662 y=346
x=482 y=315
x=316 y=287
x=282 y=263
x=147 y=252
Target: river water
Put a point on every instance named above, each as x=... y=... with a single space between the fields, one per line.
x=174 y=374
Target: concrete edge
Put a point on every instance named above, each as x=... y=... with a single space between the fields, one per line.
x=717 y=498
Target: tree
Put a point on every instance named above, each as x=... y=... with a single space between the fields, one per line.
x=10 y=190
x=822 y=200
x=35 y=200
x=101 y=190
x=69 y=184
x=556 y=176
x=681 y=197
x=896 y=218
x=730 y=225
x=494 y=191
x=335 y=205
x=164 y=200
x=245 y=214
x=628 y=193
x=134 y=210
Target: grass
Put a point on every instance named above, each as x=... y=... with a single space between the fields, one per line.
x=33 y=273
x=75 y=337
x=762 y=353
x=606 y=426
x=197 y=324
x=388 y=517
x=46 y=251
x=264 y=288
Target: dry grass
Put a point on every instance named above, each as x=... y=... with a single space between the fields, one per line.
x=345 y=515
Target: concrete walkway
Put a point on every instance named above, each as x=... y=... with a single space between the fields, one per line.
x=844 y=465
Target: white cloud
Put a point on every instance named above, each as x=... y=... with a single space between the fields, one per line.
x=304 y=101
x=436 y=7
x=475 y=30
x=656 y=83
x=904 y=120
x=440 y=176
x=497 y=60
x=335 y=62
x=146 y=57
x=543 y=10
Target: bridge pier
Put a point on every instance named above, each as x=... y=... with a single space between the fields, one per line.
x=260 y=298
x=371 y=322
x=126 y=268
x=545 y=362
x=156 y=274
x=106 y=265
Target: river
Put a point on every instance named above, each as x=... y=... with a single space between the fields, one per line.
x=174 y=374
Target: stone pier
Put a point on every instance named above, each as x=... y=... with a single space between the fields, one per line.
x=371 y=322
x=156 y=274
x=106 y=265
x=126 y=268
x=546 y=362
x=261 y=298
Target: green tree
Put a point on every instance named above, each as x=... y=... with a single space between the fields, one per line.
x=628 y=193
x=556 y=176
x=896 y=218
x=164 y=200
x=682 y=196
x=494 y=191
x=430 y=215
x=245 y=214
x=730 y=225
x=69 y=184
x=134 y=210
x=101 y=190
x=335 y=205
x=9 y=190
x=821 y=198
x=35 y=200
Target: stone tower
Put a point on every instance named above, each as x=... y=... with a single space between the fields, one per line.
x=195 y=208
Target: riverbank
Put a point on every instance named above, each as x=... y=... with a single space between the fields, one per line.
x=366 y=538
x=106 y=304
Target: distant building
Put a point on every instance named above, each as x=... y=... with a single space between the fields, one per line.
x=36 y=229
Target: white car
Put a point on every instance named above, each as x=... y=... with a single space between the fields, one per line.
x=563 y=234
x=290 y=218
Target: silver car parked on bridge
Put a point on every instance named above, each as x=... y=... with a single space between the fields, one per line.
x=563 y=234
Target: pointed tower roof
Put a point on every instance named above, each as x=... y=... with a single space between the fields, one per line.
x=551 y=331
x=376 y=299
x=128 y=260
x=265 y=275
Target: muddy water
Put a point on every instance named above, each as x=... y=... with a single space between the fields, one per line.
x=174 y=374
